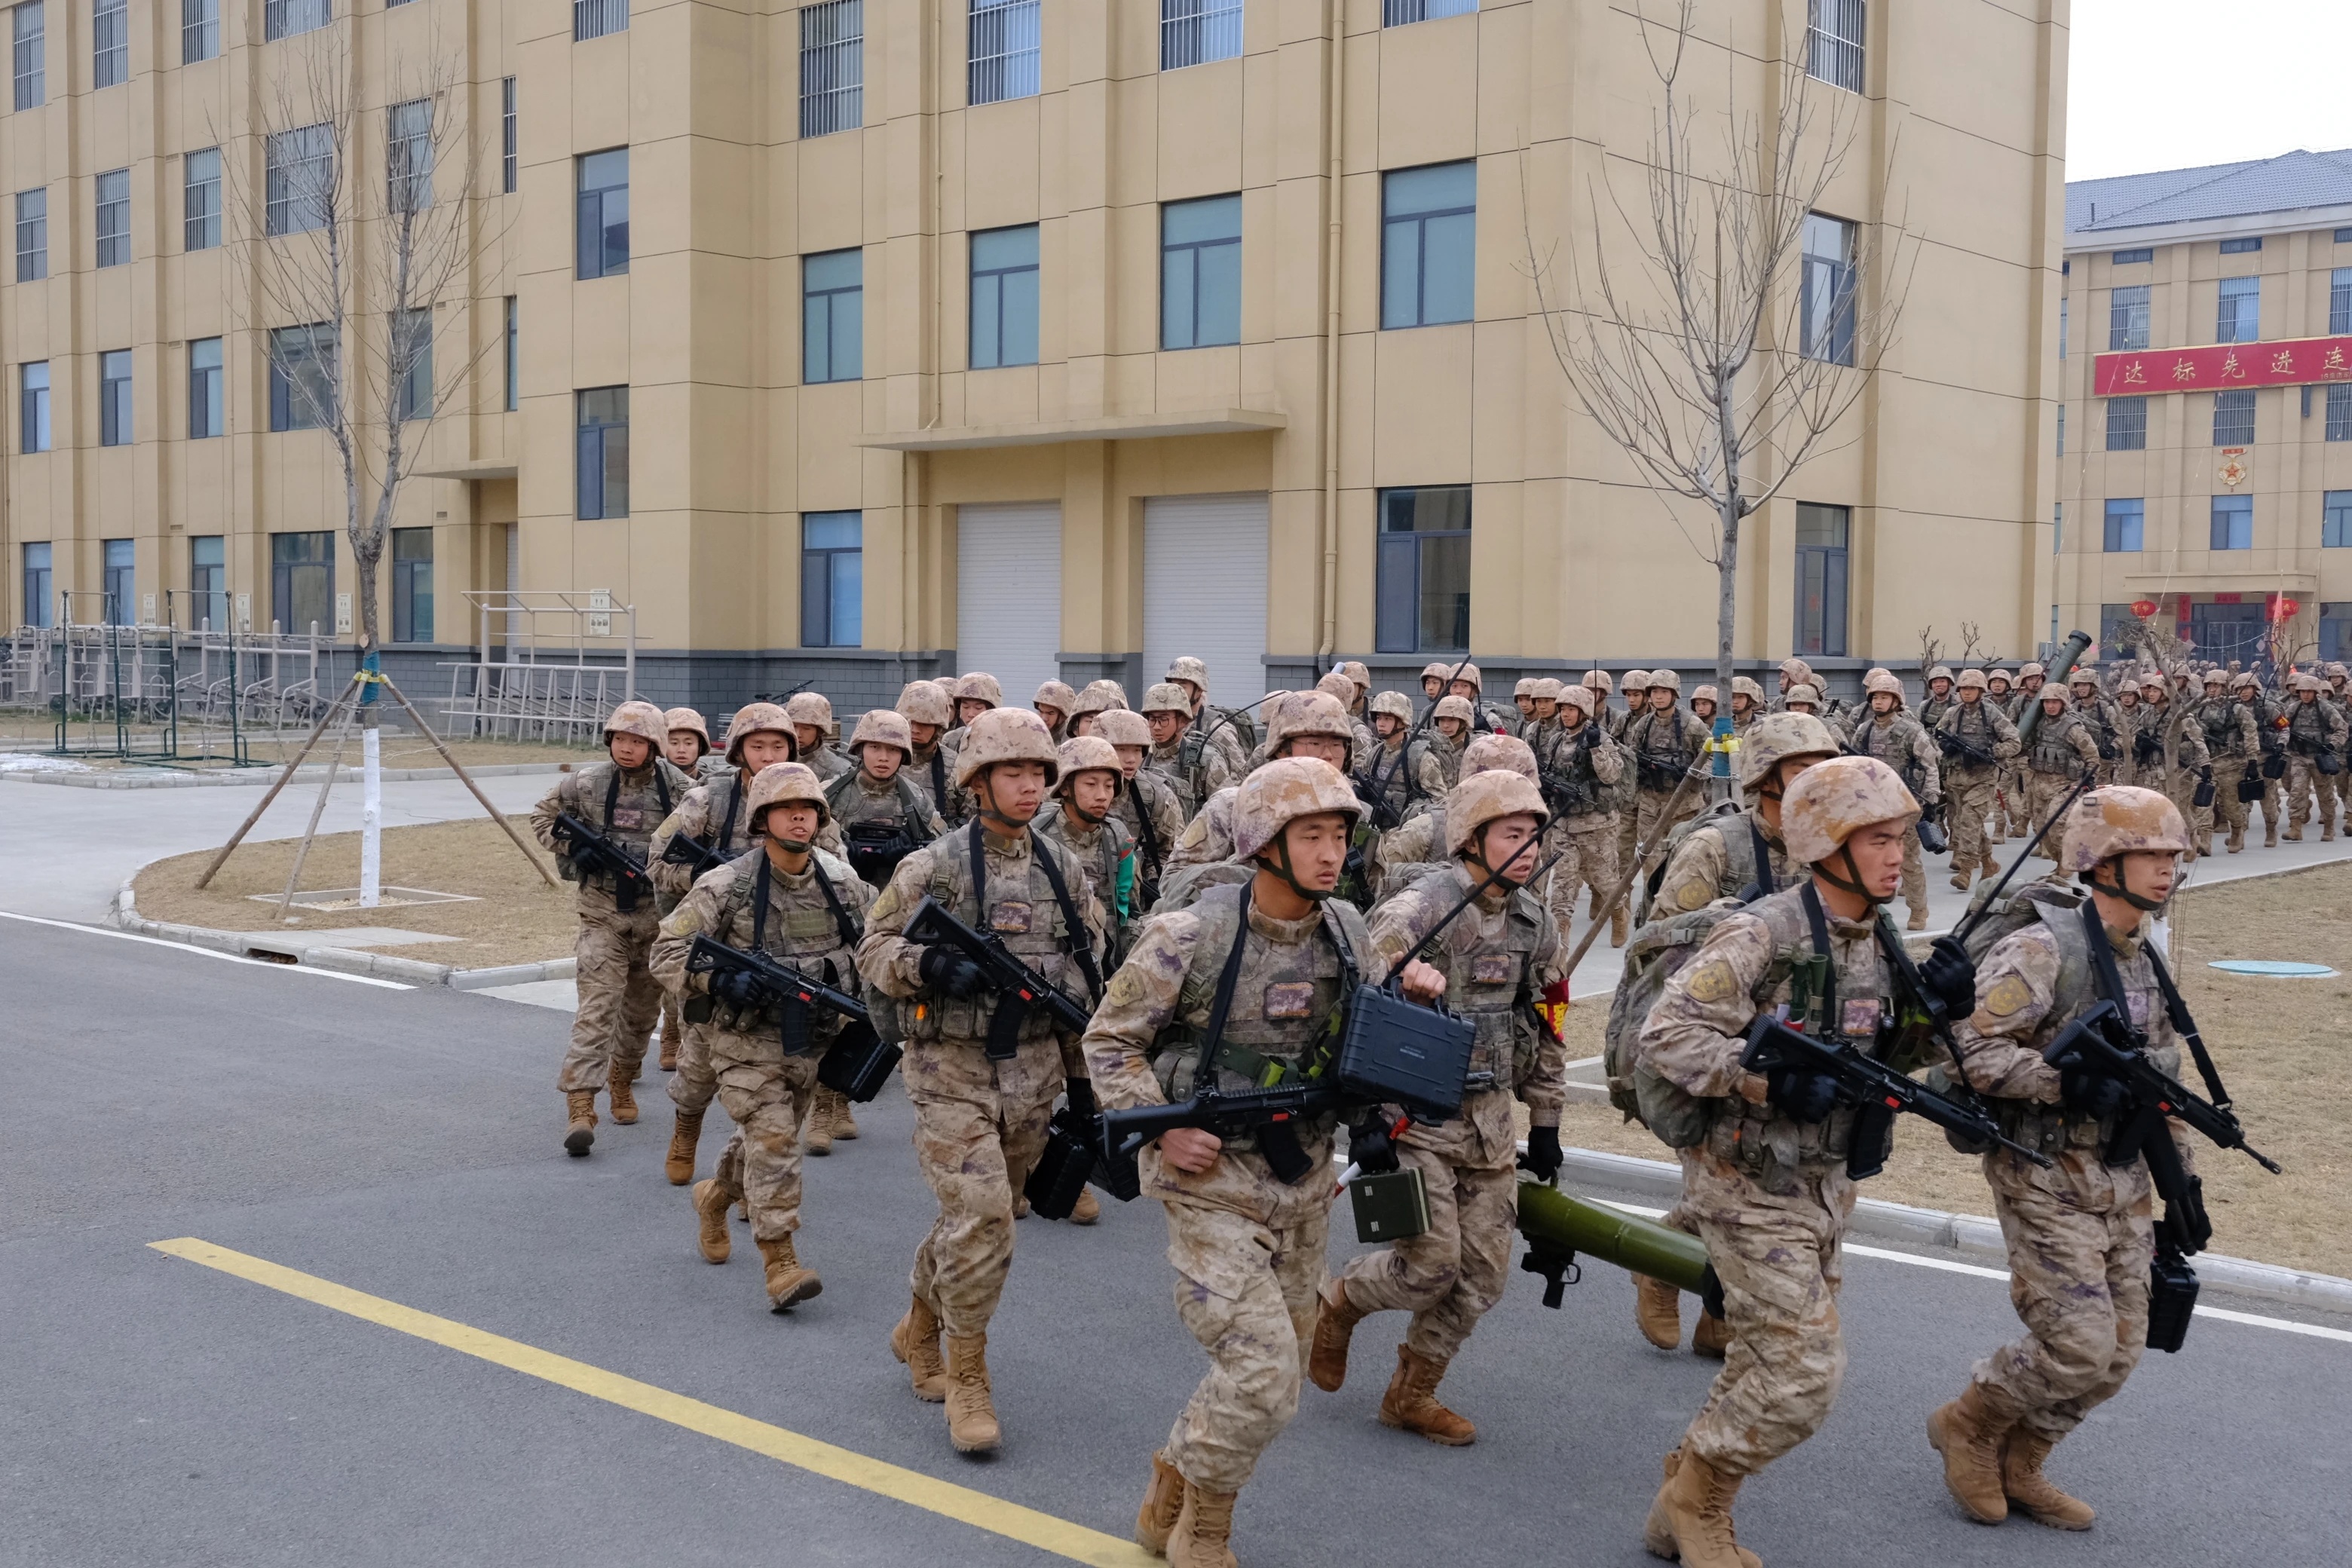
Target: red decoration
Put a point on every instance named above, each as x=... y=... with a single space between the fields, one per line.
x=2283 y=608
x=2218 y=367
x=2144 y=608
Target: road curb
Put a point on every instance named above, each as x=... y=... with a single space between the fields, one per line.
x=312 y=771
x=123 y=914
x=1972 y=1235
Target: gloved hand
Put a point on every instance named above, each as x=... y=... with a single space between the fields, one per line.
x=944 y=969
x=1802 y=1096
x=1080 y=1093
x=737 y=988
x=1543 y=1156
x=2090 y=1094
x=1950 y=976
x=1371 y=1147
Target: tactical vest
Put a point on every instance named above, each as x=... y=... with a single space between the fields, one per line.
x=812 y=929
x=1025 y=914
x=1885 y=740
x=1486 y=981
x=1659 y=762
x=1575 y=790
x=2221 y=721
x=2306 y=729
x=2052 y=751
x=876 y=843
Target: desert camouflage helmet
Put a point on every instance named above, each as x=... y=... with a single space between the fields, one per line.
x=1598 y=682
x=1467 y=671
x=1437 y=667
x=1166 y=697
x=926 y=702
x=1337 y=685
x=779 y=783
x=1795 y=670
x=641 y=719
x=1122 y=728
x=1055 y=694
x=2335 y=671
x=810 y=707
x=1482 y=798
x=2246 y=682
x=980 y=687
x=1524 y=687
x=2152 y=681
x=1452 y=707
x=1775 y=738
x=1941 y=672
x=1286 y=789
x=1082 y=752
x=1583 y=699
x=1836 y=798
x=1489 y=753
x=1006 y=735
x=1297 y=713
x=1704 y=694
x=1997 y=673
x=2217 y=675
x=1096 y=700
x=2118 y=820
x=1879 y=680
x=1804 y=692
x=1394 y=702
x=1184 y=667
x=2030 y=668
x=2082 y=676
x=1115 y=694
x=678 y=719
x=1971 y=680
x=1548 y=689
x=753 y=717
x=883 y=727
x=2304 y=681
x=1743 y=687
x=1672 y=680
x=1635 y=680
x=1356 y=670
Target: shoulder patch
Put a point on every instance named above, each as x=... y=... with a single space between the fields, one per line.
x=1713 y=981
x=1693 y=896
x=2005 y=998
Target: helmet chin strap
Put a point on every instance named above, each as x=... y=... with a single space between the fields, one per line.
x=1290 y=874
x=1821 y=867
x=987 y=793
x=2121 y=891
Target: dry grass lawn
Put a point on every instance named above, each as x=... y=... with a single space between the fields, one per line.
x=514 y=919
x=2284 y=1048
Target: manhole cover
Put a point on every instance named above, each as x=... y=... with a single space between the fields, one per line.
x=2272 y=966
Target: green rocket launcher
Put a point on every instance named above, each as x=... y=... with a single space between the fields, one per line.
x=1558 y=1225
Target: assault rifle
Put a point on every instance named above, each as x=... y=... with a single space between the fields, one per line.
x=1018 y=987
x=1261 y=1111
x=1376 y=787
x=1961 y=751
x=593 y=854
x=2102 y=1042
x=857 y=1062
x=685 y=850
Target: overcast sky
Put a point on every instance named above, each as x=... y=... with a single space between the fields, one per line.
x=2169 y=84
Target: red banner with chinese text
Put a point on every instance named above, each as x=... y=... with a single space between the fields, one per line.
x=2220 y=368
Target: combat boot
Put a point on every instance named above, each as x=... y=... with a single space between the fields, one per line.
x=1968 y=1436
x=624 y=1100
x=1961 y=875
x=1711 y=1338
x=916 y=1342
x=845 y=1124
x=2023 y=1483
x=1335 y=1325
x=1919 y=918
x=685 y=1132
x=2270 y=833
x=711 y=1201
x=2237 y=842
x=789 y=1284
x=582 y=1103
x=1412 y=1403
x=816 y=1128
x=1692 y=1517
x=2293 y=835
x=971 y=1414
x=1163 y=1499
x=1617 y=927
x=1086 y=1210
x=1658 y=1311
x=1204 y=1529
x=668 y=1040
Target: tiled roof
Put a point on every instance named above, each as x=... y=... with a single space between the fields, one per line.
x=2288 y=182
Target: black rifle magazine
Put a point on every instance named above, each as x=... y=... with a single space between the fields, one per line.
x=2171 y=1298
x=1395 y=1052
x=1390 y=1205
x=858 y=1063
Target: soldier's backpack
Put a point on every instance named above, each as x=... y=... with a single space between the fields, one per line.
x=1244 y=721
x=1738 y=846
x=1996 y=918
x=1654 y=955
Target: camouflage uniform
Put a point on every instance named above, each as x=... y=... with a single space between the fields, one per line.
x=1576 y=777
x=2232 y=742
x=1717 y=859
x=2173 y=757
x=713 y=815
x=1400 y=778
x=2101 y=718
x=2063 y=747
x=899 y=802
x=1108 y=855
x=1969 y=786
x=1663 y=746
x=2313 y=726
x=1900 y=741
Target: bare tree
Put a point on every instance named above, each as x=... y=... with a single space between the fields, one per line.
x=1931 y=652
x=1729 y=358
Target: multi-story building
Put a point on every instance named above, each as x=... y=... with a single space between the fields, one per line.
x=2207 y=462
x=875 y=338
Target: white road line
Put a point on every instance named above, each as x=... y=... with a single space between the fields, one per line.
x=209 y=952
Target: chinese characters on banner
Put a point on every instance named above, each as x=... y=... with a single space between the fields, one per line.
x=2221 y=367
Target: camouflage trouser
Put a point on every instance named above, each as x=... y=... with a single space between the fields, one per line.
x=976 y=1158
x=1590 y=861
x=2007 y=793
x=670 y=1023
x=1969 y=793
x=693 y=1083
x=2200 y=818
x=2274 y=804
x=1915 y=872
x=1626 y=823
x=1778 y=1259
x=2079 y=1281
x=1248 y=1295
x=1653 y=823
x=766 y=1093
x=2307 y=787
x=1451 y=1274
x=2042 y=794
x=620 y=1001
x=2227 y=815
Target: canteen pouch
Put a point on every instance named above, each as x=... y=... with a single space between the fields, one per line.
x=1390 y=1205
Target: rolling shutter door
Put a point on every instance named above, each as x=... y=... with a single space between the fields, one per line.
x=1009 y=594
x=1204 y=591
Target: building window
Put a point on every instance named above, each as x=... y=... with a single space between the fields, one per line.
x=1401 y=13
x=1422 y=593
x=109 y=43
x=2335 y=520
x=832 y=317
x=113 y=210
x=2242 y=246
x=1001 y=50
x=1195 y=32
x=832 y=579
x=2125 y=520
x=412 y=359
x=2128 y=317
x=2057 y=527
x=1830 y=282
x=2239 y=320
x=36 y=583
x=30 y=35
x=514 y=355
x=200 y=200
x=2119 y=630
x=2062 y=326
x=603 y=228
x=1429 y=220
x=285 y=18
x=302 y=582
x=199 y=32
x=2339 y=302
x=114 y=398
x=2232 y=523
x=207 y=400
x=298 y=181
x=33 y=407
x=2334 y=619
x=2339 y=412
x=2127 y=424
x=509 y=149
x=121 y=581
x=207 y=581
x=1833 y=43
x=408 y=156
x=1822 y=539
x=594 y=18
x=2128 y=257
x=832 y=66
x=1201 y=273
x=2062 y=429
x=411 y=584
x=1004 y=297
x=32 y=236
x=2233 y=418
x=304 y=386
x=604 y=452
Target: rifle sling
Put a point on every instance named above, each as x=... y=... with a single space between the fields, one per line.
x=1817 y=921
x=1081 y=945
x=1149 y=834
x=1763 y=858
x=613 y=793
x=727 y=828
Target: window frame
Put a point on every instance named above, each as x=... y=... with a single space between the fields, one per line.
x=33 y=236
x=207 y=389
x=292 y=18
x=1408 y=551
x=207 y=581
x=34 y=417
x=292 y=352
x=298 y=180
x=2130 y=317
x=514 y=354
x=821 y=585
x=598 y=20
x=2230 y=429
x=285 y=586
x=2229 y=519
x=111 y=218
x=2123 y=532
x=200 y=217
x=1824 y=567
x=408 y=573
x=2130 y=435
x=2234 y=323
x=2337 y=412
x=1199 y=32
x=1003 y=285
x=2138 y=256
x=596 y=434
x=117 y=423
x=1830 y=290
x=2339 y=302
x=1393 y=220
x=28 y=50
x=109 y=43
x=118 y=582
x=510 y=137
x=199 y=31
x=832 y=68
x=2335 y=518
x=416 y=393
x=1837 y=53
x=831 y=315
x=1001 y=48
x=593 y=215
x=1221 y=251
x=40 y=599
x=407 y=188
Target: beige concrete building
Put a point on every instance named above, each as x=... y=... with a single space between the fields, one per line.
x=877 y=338
x=2207 y=462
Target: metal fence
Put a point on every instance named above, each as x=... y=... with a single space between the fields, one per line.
x=549 y=666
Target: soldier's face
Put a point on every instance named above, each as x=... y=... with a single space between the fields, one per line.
x=1571 y=717
x=1452 y=729
x=1165 y=725
x=1740 y=704
x=1092 y=791
x=1877 y=853
x=1545 y=709
x=881 y=762
x=792 y=822
x=630 y=751
x=809 y=736
x=1386 y=725
x=2127 y=700
x=1330 y=748
x=2299 y=697
x=1193 y=693
x=765 y=749
x=922 y=734
x=1318 y=848
x=1464 y=690
x=1661 y=699
x=970 y=708
x=1083 y=725
x=2150 y=873
x=1941 y=686
x=684 y=749
x=1970 y=693
x=1051 y=714
x=1431 y=685
x=1882 y=703
x=1704 y=707
x=1130 y=758
x=1015 y=790
x=1506 y=846
x=1524 y=704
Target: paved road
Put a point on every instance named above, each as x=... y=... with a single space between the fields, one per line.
x=403 y=1143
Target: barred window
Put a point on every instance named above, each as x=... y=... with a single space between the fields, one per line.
x=2233 y=418
x=408 y=156
x=1403 y=13
x=201 y=199
x=32 y=236
x=109 y=43
x=2339 y=302
x=2339 y=412
x=2128 y=317
x=113 y=206
x=299 y=180
x=28 y=38
x=832 y=66
x=1002 y=50
x=508 y=149
x=199 y=30
x=594 y=18
x=1834 y=50
x=2128 y=257
x=1195 y=32
x=2239 y=318
x=2127 y=424
x=284 y=18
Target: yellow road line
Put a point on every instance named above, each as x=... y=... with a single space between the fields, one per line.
x=978 y=1510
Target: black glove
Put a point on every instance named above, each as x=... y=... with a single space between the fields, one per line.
x=2095 y=1095
x=1802 y=1096
x=1080 y=1093
x=945 y=969
x=738 y=988
x=1543 y=1155
x=1950 y=976
x=1369 y=1146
